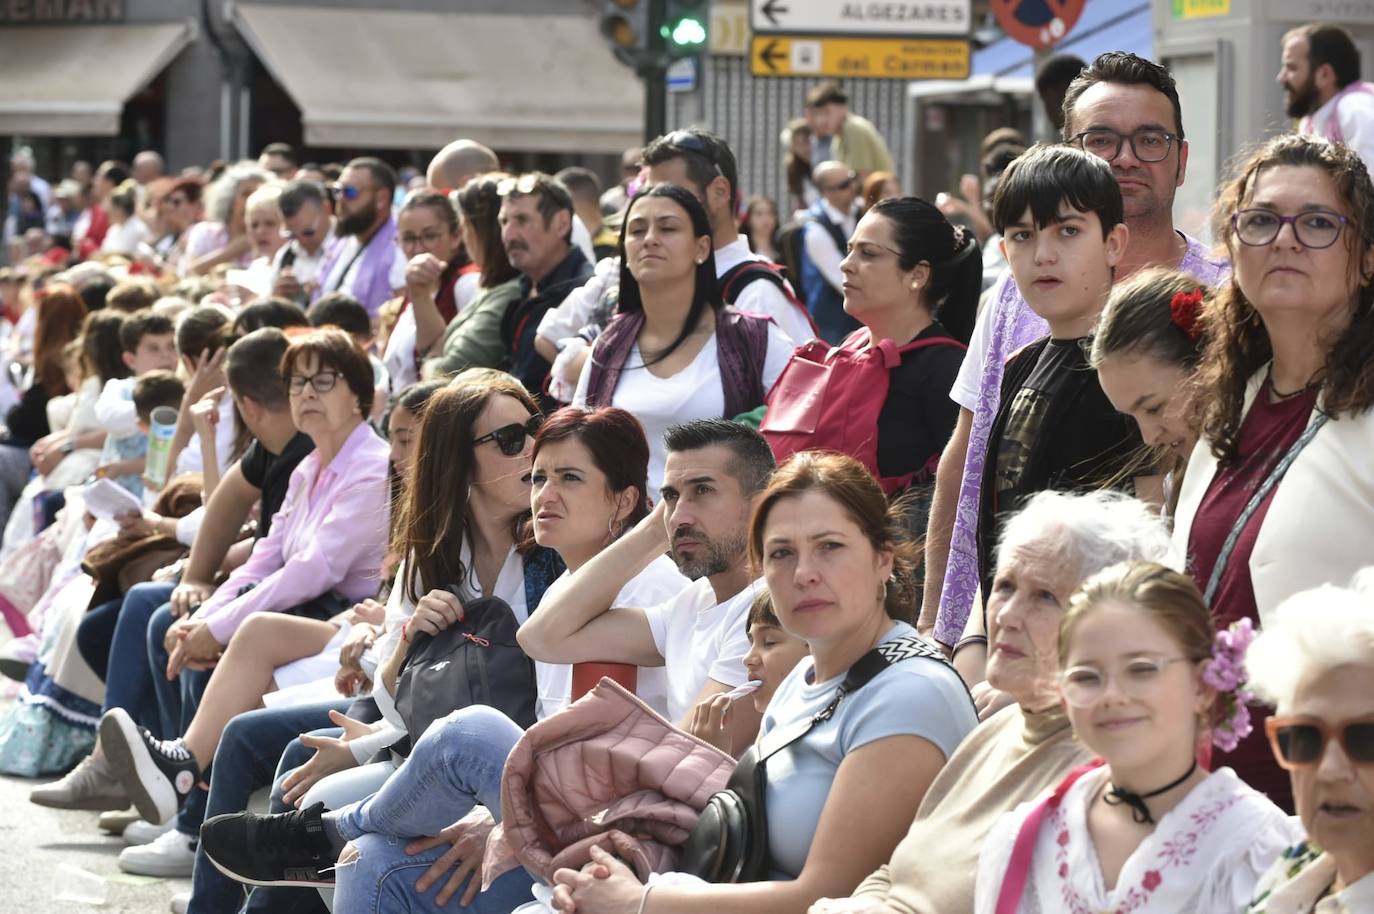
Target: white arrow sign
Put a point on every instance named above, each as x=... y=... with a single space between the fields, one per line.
x=861 y=17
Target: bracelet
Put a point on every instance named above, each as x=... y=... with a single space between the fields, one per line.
x=966 y=641
x=644 y=898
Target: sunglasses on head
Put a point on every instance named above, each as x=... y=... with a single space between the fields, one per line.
x=511 y=438
x=1301 y=742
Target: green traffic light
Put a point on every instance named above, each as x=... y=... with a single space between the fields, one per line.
x=688 y=31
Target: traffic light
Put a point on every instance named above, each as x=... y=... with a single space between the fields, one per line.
x=685 y=27
x=625 y=25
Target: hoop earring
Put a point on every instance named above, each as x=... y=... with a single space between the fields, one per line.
x=611 y=529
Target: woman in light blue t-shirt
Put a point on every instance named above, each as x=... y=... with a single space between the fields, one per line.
x=839 y=568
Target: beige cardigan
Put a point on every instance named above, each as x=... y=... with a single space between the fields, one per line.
x=1320 y=525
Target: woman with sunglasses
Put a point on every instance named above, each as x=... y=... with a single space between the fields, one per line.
x=440 y=281
x=1279 y=494
x=676 y=352
x=1146 y=828
x=1315 y=664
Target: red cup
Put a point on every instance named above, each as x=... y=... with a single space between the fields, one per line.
x=588 y=674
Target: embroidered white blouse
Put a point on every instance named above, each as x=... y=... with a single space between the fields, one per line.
x=1194 y=861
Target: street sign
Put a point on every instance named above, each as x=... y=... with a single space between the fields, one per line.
x=682 y=75
x=1037 y=23
x=856 y=58
x=861 y=17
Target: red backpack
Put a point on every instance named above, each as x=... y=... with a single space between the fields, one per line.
x=828 y=398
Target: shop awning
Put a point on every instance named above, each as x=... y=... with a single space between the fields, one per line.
x=74 y=80
x=419 y=80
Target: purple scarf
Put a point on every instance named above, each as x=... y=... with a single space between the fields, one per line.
x=1015 y=325
x=372 y=281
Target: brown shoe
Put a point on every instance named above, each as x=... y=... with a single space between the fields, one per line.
x=90 y=785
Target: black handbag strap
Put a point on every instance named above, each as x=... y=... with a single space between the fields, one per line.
x=860 y=674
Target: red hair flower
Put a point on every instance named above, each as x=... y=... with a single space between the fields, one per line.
x=1184 y=309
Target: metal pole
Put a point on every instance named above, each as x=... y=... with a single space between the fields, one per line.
x=654 y=72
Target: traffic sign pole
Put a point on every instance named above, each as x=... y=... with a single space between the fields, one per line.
x=654 y=72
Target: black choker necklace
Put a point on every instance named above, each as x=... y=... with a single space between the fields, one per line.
x=1118 y=796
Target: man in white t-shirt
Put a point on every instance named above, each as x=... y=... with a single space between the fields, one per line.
x=715 y=469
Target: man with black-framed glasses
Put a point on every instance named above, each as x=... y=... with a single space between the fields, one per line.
x=1124 y=109
x=365 y=261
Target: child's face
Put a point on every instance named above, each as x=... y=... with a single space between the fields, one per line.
x=156 y=351
x=773 y=653
x=1064 y=269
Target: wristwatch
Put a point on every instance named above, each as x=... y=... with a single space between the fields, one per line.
x=68 y=446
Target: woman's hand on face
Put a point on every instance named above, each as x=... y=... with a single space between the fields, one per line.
x=988 y=701
x=437 y=611
x=468 y=837
x=711 y=721
x=604 y=886
x=207 y=376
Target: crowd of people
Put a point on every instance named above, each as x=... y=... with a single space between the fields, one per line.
x=537 y=547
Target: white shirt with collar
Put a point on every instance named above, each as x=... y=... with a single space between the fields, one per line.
x=820 y=247
x=306 y=266
x=762 y=296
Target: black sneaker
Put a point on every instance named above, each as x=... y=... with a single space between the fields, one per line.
x=289 y=848
x=158 y=774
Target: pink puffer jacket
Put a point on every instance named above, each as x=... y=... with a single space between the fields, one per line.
x=606 y=771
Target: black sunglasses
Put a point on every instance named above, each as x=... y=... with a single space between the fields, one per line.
x=511 y=438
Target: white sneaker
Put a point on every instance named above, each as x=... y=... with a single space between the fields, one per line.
x=170 y=855
x=145 y=832
x=180 y=902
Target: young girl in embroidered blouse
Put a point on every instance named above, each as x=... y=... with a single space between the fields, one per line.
x=1149 y=830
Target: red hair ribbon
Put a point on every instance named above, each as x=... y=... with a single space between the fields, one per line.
x=1184 y=310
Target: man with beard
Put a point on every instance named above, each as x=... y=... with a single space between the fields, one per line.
x=715 y=470
x=1321 y=84
x=365 y=260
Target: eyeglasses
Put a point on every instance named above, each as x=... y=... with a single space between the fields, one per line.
x=322 y=381
x=427 y=239
x=511 y=438
x=1084 y=686
x=841 y=186
x=347 y=191
x=175 y=201
x=691 y=142
x=1146 y=145
x=1301 y=742
x=1317 y=229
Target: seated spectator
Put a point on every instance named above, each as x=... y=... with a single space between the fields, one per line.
x=223 y=235
x=427 y=231
x=536 y=229
x=906 y=263
x=131 y=295
x=1314 y=662
x=838 y=565
x=364 y=260
x=339 y=309
x=1146 y=349
x=585 y=189
x=1137 y=665
x=308 y=216
x=59 y=311
x=264 y=223
x=269 y=312
x=825 y=241
x=178 y=208
x=1060 y=212
x=147 y=344
x=472 y=339
x=1286 y=396
x=126 y=230
x=1018 y=752
x=675 y=352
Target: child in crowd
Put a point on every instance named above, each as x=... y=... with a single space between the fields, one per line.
x=1060 y=213
x=147 y=345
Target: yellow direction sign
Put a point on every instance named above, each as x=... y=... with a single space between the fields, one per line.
x=879 y=58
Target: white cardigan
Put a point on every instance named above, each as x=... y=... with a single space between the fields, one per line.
x=1320 y=525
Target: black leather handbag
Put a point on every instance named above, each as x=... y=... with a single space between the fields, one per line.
x=730 y=840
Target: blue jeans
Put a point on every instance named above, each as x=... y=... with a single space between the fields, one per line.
x=129 y=678
x=95 y=634
x=455 y=766
x=257 y=748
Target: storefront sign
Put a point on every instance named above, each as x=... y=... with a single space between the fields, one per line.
x=861 y=17
x=48 y=12
x=857 y=58
x=1201 y=9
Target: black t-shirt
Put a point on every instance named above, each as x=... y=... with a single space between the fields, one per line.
x=918 y=416
x=1055 y=429
x=271 y=473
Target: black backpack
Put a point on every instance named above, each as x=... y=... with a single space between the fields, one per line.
x=474 y=662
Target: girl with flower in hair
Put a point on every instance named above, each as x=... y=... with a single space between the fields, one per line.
x=1146 y=827
x=1146 y=350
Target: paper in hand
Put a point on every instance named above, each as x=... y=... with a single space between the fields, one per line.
x=108 y=500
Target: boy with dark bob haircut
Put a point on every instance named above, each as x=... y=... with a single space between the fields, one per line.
x=1060 y=213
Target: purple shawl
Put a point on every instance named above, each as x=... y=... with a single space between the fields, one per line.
x=1015 y=325
x=372 y=281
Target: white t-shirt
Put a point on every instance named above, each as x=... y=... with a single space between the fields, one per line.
x=970 y=377
x=226 y=430
x=125 y=237
x=701 y=639
x=762 y=296
x=305 y=266
x=658 y=583
x=399 y=357
x=693 y=393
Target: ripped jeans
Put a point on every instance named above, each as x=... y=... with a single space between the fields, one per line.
x=455 y=766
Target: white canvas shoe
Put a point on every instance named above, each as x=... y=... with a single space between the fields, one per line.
x=170 y=855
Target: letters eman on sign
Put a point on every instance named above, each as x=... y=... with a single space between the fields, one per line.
x=915 y=13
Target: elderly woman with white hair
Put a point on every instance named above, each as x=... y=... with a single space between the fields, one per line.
x=223 y=236
x=1048 y=549
x=1315 y=663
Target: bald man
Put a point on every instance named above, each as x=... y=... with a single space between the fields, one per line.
x=459 y=162
x=829 y=223
x=148 y=166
